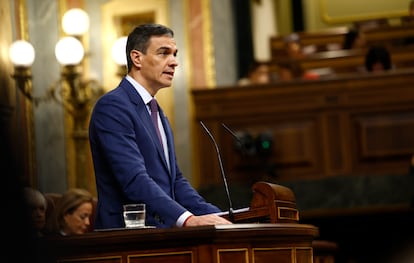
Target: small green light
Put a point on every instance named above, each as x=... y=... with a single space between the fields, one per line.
x=265 y=144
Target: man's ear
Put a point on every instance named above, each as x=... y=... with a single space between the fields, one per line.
x=136 y=58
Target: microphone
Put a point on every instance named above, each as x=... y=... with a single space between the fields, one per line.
x=232 y=133
x=231 y=214
x=245 y=145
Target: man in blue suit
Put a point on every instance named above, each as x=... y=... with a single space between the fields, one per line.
x=132 y=163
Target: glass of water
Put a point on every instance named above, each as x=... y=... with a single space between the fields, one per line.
x=134 y=215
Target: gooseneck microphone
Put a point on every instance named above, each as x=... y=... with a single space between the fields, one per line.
x=239 y=141
x=231 y=214
x=232 y=133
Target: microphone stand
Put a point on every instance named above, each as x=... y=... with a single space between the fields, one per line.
x=231 y=214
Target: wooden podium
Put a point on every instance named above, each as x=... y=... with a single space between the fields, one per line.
x=239 y=243
x=274 y=234
x=271 y=203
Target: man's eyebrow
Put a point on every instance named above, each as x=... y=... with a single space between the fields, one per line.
x=164 y=48
x=167 y=49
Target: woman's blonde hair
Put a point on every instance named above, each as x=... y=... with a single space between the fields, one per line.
x=68 y=203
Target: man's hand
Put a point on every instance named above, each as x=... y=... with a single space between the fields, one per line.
x=210 y=219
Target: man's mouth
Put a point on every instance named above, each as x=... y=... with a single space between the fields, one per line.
x=169 y=75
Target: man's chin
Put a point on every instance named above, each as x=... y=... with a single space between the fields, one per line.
x=166 y=84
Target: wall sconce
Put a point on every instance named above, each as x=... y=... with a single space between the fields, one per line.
x=22 y=55
x=75 y=22
x=75 y=93
x=71 y=91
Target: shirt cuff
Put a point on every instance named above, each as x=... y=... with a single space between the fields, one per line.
x=182 y=218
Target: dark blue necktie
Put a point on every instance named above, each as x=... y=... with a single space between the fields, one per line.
x=154 y=117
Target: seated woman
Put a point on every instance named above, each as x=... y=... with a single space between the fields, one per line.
x=73 y=213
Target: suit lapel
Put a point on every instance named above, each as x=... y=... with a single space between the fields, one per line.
x=145 y=118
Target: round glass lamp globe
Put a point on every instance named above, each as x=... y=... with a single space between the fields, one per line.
x=118 y=51
x=75 y=22
x=22 y=53
x=69 y=51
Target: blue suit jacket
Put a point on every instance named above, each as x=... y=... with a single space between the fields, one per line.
x=130 y=166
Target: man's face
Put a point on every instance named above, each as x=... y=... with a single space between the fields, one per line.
x=38 y=216
x=158 y=64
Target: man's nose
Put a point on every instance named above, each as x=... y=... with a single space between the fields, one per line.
x=174 y=61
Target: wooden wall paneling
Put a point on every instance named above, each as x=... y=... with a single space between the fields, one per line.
x=233 y=255
x=386 y=134
x=334 y=132
x=319 y=128
x=295 y=144
x=208 y=155
x=384 y=139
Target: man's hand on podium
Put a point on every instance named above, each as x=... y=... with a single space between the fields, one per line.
x=210 y=219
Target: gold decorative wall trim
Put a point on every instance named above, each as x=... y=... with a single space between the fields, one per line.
x=30 y=170
x=208 y=64
x=208 y=43
x=72 y=165
x=326 y=17
x=187 y=47
x=24 y=30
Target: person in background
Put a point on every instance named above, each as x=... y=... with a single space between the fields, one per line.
x=134 y=158
x=292 y=46
x=72 y=215
x=354 y=39
x=36 y=205
x=259 y=73
x=378 y=59
x=288 y=70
